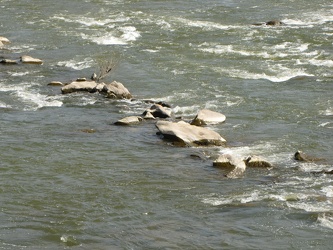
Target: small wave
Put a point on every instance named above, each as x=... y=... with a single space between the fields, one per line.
x=316 y=207
x=129 y=33
x=4 y=105
x=107 y=39
x=282 y=76
x=86 y=21
x=20 y=73
x=36 y=101
x=203 y=24
x=325 y=220
x=77 y=65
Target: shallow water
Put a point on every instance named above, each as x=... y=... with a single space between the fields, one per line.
x=125 y=188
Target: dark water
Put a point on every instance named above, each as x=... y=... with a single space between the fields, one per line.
x=125 y=188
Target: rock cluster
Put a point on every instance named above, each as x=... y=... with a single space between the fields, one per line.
x=25 y=59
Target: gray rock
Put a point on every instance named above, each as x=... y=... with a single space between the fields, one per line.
x=130 y=120
x=189 y=135
x=230 y=161
x=206 y=116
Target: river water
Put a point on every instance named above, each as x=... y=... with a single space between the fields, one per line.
x=124 y=187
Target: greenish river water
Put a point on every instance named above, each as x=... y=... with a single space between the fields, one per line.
x=124 y=187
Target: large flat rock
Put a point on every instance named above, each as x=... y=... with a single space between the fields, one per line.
x=189 y=135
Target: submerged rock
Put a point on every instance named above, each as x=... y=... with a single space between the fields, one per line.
x=206 y=116
x=30 y=60
x=270 y=23
x=130 y=120
x=189 y=135
x=300 y=156
x=257 y=161
x=230 y=161
x=55 y=83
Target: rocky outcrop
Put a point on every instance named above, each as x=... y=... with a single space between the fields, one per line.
x=158 y=111
x=115 y=90
x=79 y=86
x=189 y=135
x=30 y=60
x=229 y=161
x=254 y=161
x=130 y=120
x=206 y=116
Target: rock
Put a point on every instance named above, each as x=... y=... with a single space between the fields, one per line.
x=159 y=102
x=158 y=111
x=189 y=135
x=88 y=130
x=130 y=120
x=300 y=156
x=274 y=23
x=30 y=60
x=206 y=116
x=8 y=61
x=55 y=83
x=116 y=90
x=147 y=115
x=270 y=23
x=230 y=161
x=79 y=86
x=81 y=79
x=4 y=40
x=256 y=161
